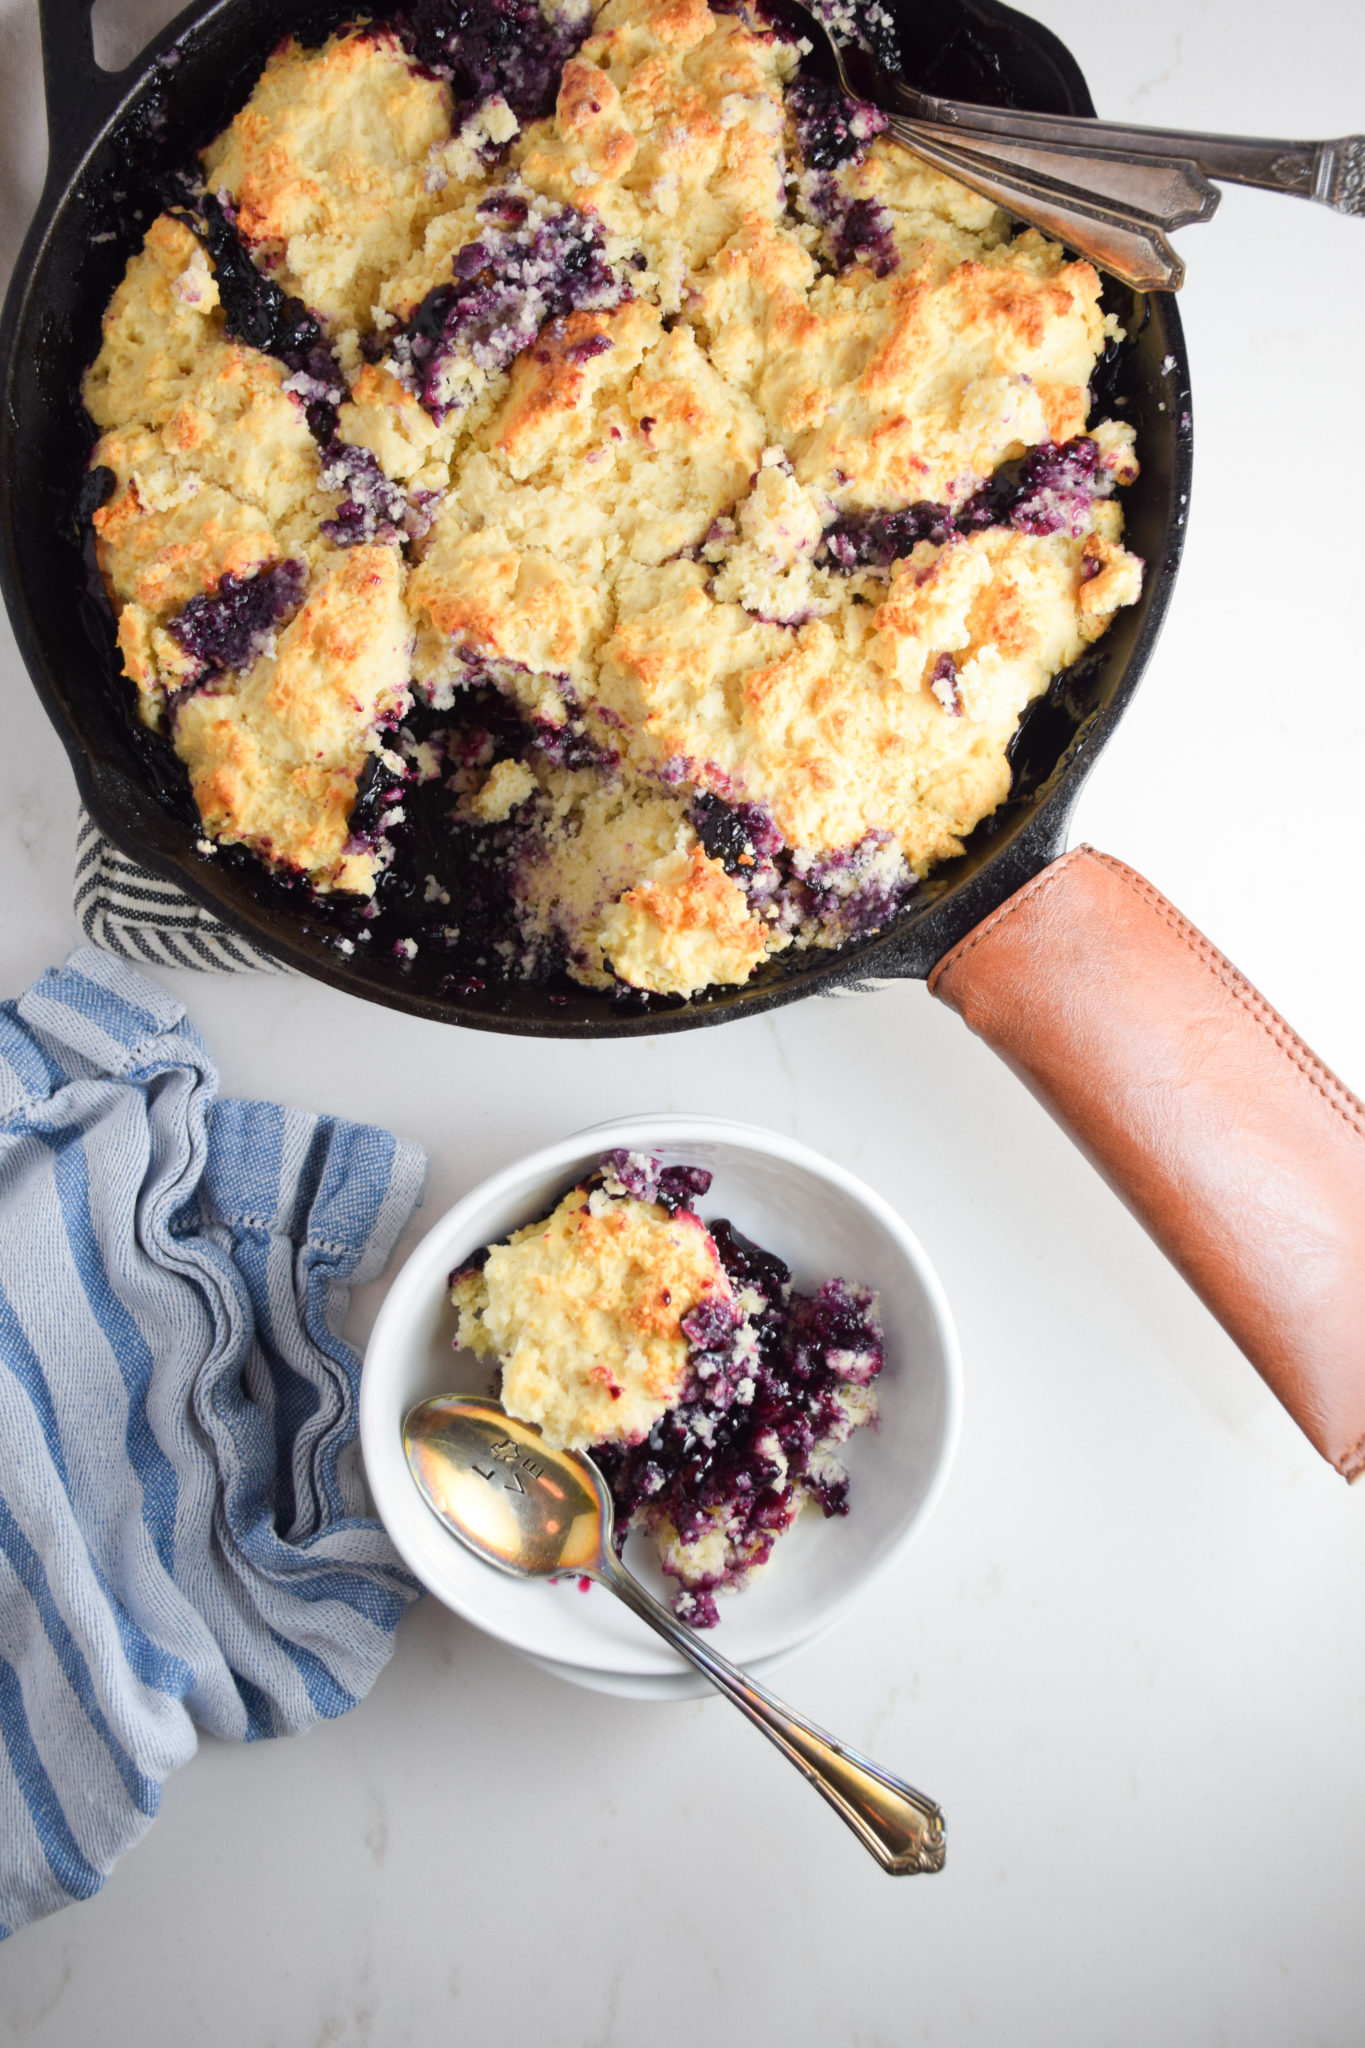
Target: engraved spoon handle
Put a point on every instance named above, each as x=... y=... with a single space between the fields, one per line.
x=1331 y=172
x=1169 y=190
x=901 y=1828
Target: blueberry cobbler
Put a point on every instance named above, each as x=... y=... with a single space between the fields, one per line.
x=575 y=417
x=713 y=1396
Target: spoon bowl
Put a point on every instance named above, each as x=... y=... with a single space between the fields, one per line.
x=527 y=1510
x=536 y=1511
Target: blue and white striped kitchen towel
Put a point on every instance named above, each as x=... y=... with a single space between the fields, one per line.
x=182 y=1529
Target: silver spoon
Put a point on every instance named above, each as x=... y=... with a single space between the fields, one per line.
x=1116 y=184
x=1116 y=213
x=536 y=1512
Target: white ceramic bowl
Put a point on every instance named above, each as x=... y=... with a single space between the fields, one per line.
x=822 y=1222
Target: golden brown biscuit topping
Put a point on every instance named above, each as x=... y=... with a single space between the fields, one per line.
x=628 y=449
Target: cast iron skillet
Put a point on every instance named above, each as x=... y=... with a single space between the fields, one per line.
x=110 y=136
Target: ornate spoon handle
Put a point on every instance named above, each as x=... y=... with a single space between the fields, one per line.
x=1169 y=190
x=901 y=1828
x=1331 y=172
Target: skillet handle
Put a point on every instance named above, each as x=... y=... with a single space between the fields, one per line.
x=80 y=94
x=1228 y=1139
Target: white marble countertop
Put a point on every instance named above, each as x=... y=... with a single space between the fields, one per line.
x=1126 y=1655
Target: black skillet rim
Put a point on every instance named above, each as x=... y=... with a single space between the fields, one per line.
x=1003 y=854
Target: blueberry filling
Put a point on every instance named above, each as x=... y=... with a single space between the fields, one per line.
x=373 y=508
x=1049 y=490
x=832 y=133
x=1058 y=485
x=229 y=627
x=380 y=805
x=570 y=745
x=475 y=1263
x=846 y=894
x=739 y=836
x=639 y=1175
x=472 y=920
x=856 y=230
x=852 y=892
x=488 y=47
x=763 y=1402
x=530 y=263
x=748 y=1265
x=874 y=540
x=257 y=311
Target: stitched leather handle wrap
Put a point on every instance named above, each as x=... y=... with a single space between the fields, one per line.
x=1230 y=1141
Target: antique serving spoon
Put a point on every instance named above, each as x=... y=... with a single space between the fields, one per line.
x=536 y=1512
x=1107 y=188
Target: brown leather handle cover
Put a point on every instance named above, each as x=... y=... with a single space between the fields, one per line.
x=1230 y=1141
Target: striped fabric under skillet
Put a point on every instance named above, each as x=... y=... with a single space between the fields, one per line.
x=183 y=1536
x=127 y=910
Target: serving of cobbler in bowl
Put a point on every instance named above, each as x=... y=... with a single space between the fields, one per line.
x=749 y=1343
x=581 y=507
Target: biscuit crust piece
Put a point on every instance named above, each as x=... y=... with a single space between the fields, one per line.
x=585 y=1312
x=275 y=759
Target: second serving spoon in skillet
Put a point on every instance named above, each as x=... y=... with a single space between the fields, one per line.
x=1109 y=189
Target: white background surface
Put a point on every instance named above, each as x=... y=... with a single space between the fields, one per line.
x=1128 y=1655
